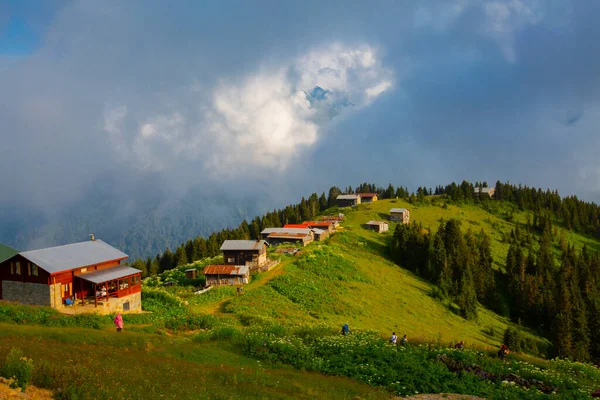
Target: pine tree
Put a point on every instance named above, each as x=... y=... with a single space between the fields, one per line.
x=322 y=202
x=180 y=256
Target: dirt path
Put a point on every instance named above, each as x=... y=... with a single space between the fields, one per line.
x=216 y=309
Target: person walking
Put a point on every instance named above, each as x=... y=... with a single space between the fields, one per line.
x=119 y=322
x=404 y=340
x=503 y=352
x=394 y=338
x=460 y=345
x=345 y=330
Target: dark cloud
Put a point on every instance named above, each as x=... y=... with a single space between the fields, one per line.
x=185 y=95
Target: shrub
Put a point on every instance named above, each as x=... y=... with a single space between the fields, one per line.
x=18 y=367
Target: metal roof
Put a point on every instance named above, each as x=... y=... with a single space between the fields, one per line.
x=286 y=235
x=347 y=197
x=75 y=255
x=267 y=231
x=109 y=274
x=226 y=270
x=243 y=245
x=6 y=252
x=484 y=190
x=379 y=223
x=191 y=269
x=398 y=210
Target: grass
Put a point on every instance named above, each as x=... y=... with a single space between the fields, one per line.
x=190 y=345
x=93 y=364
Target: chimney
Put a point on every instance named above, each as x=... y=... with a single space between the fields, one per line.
x=92 y=238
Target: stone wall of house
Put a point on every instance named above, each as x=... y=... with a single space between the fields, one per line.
x=26 y=293
x=56 y=295
x=116 y=304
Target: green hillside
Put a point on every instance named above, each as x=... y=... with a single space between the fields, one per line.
x=290 y=317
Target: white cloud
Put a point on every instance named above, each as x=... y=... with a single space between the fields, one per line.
x=264 y=121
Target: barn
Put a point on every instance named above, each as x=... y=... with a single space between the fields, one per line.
x=90 y=273
x=400 y=215
x=226 y=274
x=347 y=200
x=368 y=197
x=377 y=226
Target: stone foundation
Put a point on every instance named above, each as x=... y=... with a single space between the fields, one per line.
x=27 y=293
x=116 y=304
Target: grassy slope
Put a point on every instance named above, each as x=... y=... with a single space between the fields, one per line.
x=376 y=294
x=117 y=366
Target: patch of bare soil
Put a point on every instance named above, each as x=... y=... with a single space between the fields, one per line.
x=442 y=396
x=7 y=393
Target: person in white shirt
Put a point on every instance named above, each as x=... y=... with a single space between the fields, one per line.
x=394 y=338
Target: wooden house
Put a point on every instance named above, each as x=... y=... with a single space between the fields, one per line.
x=347 y=200
x=368 y=197
x=320 y=234
x=89 y=272
x=226 y=275
x=241 y=252
x=377 y=226
x=190 y=273
x=485 y=192
x=400 y=215
x=267 y=231
x=323 y=225
x=301 y=239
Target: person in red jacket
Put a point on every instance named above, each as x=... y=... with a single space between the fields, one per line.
x=503 y=352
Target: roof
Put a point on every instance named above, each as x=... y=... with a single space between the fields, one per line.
x=287 y=235
x=377 y=223
x=243 y=245
x=398 y=210
x=109 y=274
x=319 y=223
x=75 y=255
x=267 y=231
x=319 y=231
x=190 y=269
x=368 y=194
x=226 y=270
x=296 y=226
x=6 y=252
x=347 y=197
x=485 y=190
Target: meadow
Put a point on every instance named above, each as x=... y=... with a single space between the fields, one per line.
x=280 y=338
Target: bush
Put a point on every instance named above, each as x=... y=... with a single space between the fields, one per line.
x=18 y=367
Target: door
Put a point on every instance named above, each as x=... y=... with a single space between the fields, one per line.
x=66 y=290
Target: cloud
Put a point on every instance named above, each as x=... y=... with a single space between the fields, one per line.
x=264 y=120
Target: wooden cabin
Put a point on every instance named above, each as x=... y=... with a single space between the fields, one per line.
x=241 y=252
x=89 y=272
x=190 y=273
x=300 y=239
x=401 y=215
x=227 y=275
x=377 y=226
x=368 y=197
x=486 y=191
x=347 y=200
x=267 y=231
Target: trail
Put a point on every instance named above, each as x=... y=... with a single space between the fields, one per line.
x=217 y=308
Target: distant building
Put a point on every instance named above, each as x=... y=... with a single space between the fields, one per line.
x=368 y=197
x=347 y=200
x=267 y=231
x=301 y=239
x=400 y=215
x=190 y=273
x=227 y=274
x=336 y=218
x=320 y=234
x=489 y=191
x=377 y=226
x=241 y=252
x=89 y=272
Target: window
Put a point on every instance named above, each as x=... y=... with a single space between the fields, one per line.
x=231 y=259
x=83 y=270
x=65 y=288
x=126 y=306
x=12 y=268
x=18 y=268
x=32 y=269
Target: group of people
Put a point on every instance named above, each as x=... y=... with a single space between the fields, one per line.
x=394 y=339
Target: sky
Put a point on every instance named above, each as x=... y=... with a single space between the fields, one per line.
x=280 y=99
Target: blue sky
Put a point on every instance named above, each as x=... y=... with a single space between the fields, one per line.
x=221 y=94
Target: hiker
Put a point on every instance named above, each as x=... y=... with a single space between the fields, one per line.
x=394 y=338
x=503 y=352
x=345 y=329
x=460 y=345
x=119 y=322
x=404 y=340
